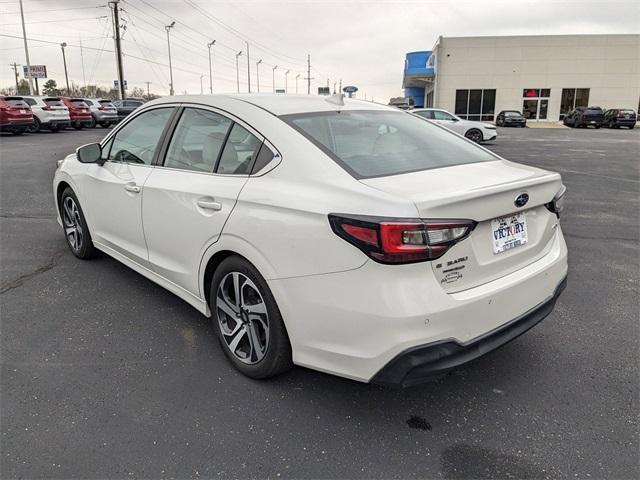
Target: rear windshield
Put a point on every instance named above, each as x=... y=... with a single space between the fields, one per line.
x=16 y=102
x=54 y=102
x=107 y=103
x=379 y=143
x=79 y=102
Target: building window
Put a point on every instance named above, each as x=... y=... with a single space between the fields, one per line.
x=572 y=98
x=476 y=104
x=535 y=103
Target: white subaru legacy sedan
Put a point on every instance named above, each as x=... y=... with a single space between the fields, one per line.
x=336 y=234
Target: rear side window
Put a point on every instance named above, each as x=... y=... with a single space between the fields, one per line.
x=424 y=114
x=197 y=141
x=374 y=143
x=263 y=158
x=136 y=142
x=239 y=151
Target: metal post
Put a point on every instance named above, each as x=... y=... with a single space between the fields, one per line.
x=26 y=50
x=308 y=74
x=297 y=77
x=148 y=94
x=286 y=81
x=248 y=70
x=209 y=45
x=64 y=59
x=168 y=28
x=238 y=71
x=258 y=74
x=116 y=38
x=201 y=91
x=273 y=78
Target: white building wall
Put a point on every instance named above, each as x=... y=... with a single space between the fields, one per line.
x=606 y=64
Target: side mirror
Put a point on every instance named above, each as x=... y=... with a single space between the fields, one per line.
x=90 y=153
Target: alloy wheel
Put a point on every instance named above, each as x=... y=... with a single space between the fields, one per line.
x=474 y=135
x=72 y=223
x=243 y=318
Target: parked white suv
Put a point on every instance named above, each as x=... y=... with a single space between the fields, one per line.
x=476 y=131
x=48 y=113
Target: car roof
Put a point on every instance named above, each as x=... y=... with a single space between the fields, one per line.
x=278 y=103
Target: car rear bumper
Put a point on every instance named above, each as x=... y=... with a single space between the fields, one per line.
x=420 y=364
x=16 y=125
x=56 y=123
x=354 y=323
x=623 y=122
x=105 y=117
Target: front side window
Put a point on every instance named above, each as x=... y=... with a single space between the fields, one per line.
x=197 y=141
x=239 y=152
x=136 y=142
x=380 y=143
x=440 y=115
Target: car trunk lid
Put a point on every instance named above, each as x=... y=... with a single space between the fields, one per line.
x=486 y=193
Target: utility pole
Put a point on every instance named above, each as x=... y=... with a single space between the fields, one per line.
x=248 y=69
x=26 y=51
x=84 y=78
x=334 y=88
x=209 y=45
x=308 y=74
x=64 y=59
x=273 y=78
x=286 y=81
x=201 y=91
x=168 y=28
x=258 y=74
x=116 y=38
x=340 y=87
x=148 y=94
x=238 y=71
x=14 y=65
x=297 y=77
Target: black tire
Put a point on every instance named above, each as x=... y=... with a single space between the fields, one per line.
x=276 y=357
x=597 y=126
x=77 y=126
x=631 y=127
x=54 y=128
x=474 y=135
x=36 y=127
x=19 y=131
x=576 y=123
x=83 y=247
x=105 y=124
x=93 y=123
x=611 y=125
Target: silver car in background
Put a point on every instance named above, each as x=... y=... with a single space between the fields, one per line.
x=103 y=112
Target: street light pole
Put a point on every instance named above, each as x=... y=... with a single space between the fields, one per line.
x=273 y=78
x=248 y=69
x=26 y=51
x=238 y=71
x=168 y=28
x=286 y=81
x=297 y=77
x=258 y=74
x=201 y=91
x=64 y=59
x=209 y=45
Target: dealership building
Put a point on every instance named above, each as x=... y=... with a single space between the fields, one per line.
x=544 y=77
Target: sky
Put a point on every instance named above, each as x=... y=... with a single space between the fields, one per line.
x=361 y=43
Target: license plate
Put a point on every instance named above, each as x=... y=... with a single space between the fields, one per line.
x=509 y=232
x=23 y=111
x=593 y=121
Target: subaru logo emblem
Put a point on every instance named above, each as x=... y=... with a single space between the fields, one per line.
x=521 y=200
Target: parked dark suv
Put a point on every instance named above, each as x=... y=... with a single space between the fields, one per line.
x=126 y=106
x=584 y=117
x=620 y=117
x=510 y=118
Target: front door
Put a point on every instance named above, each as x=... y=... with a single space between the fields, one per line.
x=188 y=198
x=114 y=198
x=535 y=103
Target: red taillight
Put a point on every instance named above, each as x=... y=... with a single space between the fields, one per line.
x=100 y=107
x=46 y=108
x=398 y=240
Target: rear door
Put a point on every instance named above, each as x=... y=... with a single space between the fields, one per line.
x=113 y=192
x=189 y=196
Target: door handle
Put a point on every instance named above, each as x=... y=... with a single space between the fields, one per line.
x=209 y=204
x=132 y=187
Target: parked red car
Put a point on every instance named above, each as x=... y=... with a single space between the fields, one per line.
x=15 y=115
x=79 y=112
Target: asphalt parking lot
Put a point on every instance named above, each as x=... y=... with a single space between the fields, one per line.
x=105 y=374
